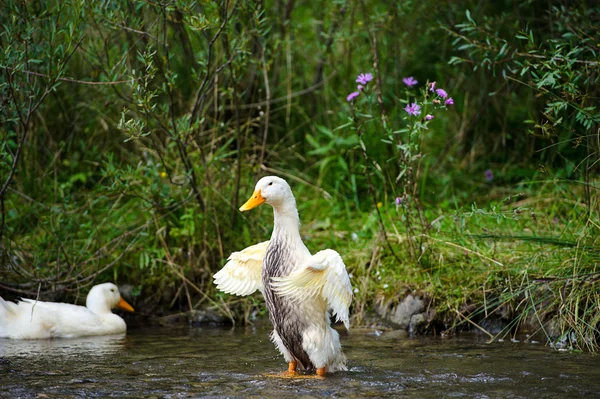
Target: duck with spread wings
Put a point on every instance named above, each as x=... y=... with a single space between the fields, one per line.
x=300 y=289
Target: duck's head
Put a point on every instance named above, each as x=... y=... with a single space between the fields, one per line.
x=104 y=297
x=273 y=190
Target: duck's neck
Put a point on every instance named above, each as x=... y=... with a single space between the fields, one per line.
x=287 y=221
x=99 y=307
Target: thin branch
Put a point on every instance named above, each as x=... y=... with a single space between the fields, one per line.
x=200 y=92
x=278 y=100
x=70 y=80
x=268 y=101
x=30 y=112
x=371 y=186
x=238 y=134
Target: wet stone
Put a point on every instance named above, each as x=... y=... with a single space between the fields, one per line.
x=400 y=315
x=418 y=322
x=194 y=318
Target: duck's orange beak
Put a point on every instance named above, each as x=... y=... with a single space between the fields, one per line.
x=253 y=202
x=123 y=305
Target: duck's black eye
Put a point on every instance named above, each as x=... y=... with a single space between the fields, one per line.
x=270 y=184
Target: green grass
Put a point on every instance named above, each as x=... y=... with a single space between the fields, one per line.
x=533 y=257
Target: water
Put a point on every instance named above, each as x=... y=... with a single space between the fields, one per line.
x=218 y=362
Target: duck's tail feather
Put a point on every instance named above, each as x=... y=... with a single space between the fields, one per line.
x=8 y=313
x=7 y=309
x=339 y=364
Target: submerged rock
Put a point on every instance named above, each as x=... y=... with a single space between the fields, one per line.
x=418 y=322
x=193 y=318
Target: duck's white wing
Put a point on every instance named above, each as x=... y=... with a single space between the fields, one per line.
x=241 y=275
x=324 y=275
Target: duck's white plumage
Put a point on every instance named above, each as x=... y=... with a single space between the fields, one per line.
x=299 y=288
x=31 y=319
x=324 y=276
x=241 y=274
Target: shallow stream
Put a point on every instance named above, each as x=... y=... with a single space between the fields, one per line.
x=219 y=362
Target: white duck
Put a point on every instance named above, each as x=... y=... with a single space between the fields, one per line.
x=31 y=319
x=299 y=288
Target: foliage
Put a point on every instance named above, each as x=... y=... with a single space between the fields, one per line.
x=130 y=132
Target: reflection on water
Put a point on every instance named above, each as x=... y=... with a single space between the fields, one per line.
x=86 y=346
x=216 y=362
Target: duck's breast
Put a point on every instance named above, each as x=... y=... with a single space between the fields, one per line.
x=290 y=319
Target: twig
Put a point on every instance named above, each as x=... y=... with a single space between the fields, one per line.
x=268 y=101
x=285 y=98
x=180 y=145
x=464 y=248
x=195 y=287
x=293 y=177
x=70 y=80
x=474 y=324
x=328 y=44
x=200 y=92
x=25 y=123
x=238 y=136
x=363 y=151
x=36 y=301
x=378 y=77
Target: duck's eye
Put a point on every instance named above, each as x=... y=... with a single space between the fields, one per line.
x=270 y=184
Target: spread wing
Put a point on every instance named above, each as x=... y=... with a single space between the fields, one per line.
x=324 y=275
x=241 y=275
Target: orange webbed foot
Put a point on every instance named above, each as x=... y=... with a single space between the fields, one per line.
x=293 y=373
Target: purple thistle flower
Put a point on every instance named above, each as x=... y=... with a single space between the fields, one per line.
x=352 y=96
x=449 y=101
x=410 y=81
x=360 y=87
x=489 y=175
x=364 y=78
x=413 y=109
x=432 y=86
x=429 y=117
x=442 y=93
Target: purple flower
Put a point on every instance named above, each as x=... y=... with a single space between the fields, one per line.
x=410 y=81
x=413 y=109
x=364 y=78
x=429 y=117
x=432 y=86
x=489 y=175
x=442 y=93
x=398 y=201
x=449 y=101
x=359 y=87
x=352 y=96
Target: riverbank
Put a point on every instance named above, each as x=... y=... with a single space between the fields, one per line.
x=526 y=262
x=522 y=265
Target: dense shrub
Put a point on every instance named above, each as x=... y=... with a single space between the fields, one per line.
x=132 y=131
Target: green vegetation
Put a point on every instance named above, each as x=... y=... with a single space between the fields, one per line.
x=132 y=131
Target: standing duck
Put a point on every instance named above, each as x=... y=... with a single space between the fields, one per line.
x=31 y=319
x=299 y=288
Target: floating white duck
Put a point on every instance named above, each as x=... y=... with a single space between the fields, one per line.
x=31 y=319
x=299 y=288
